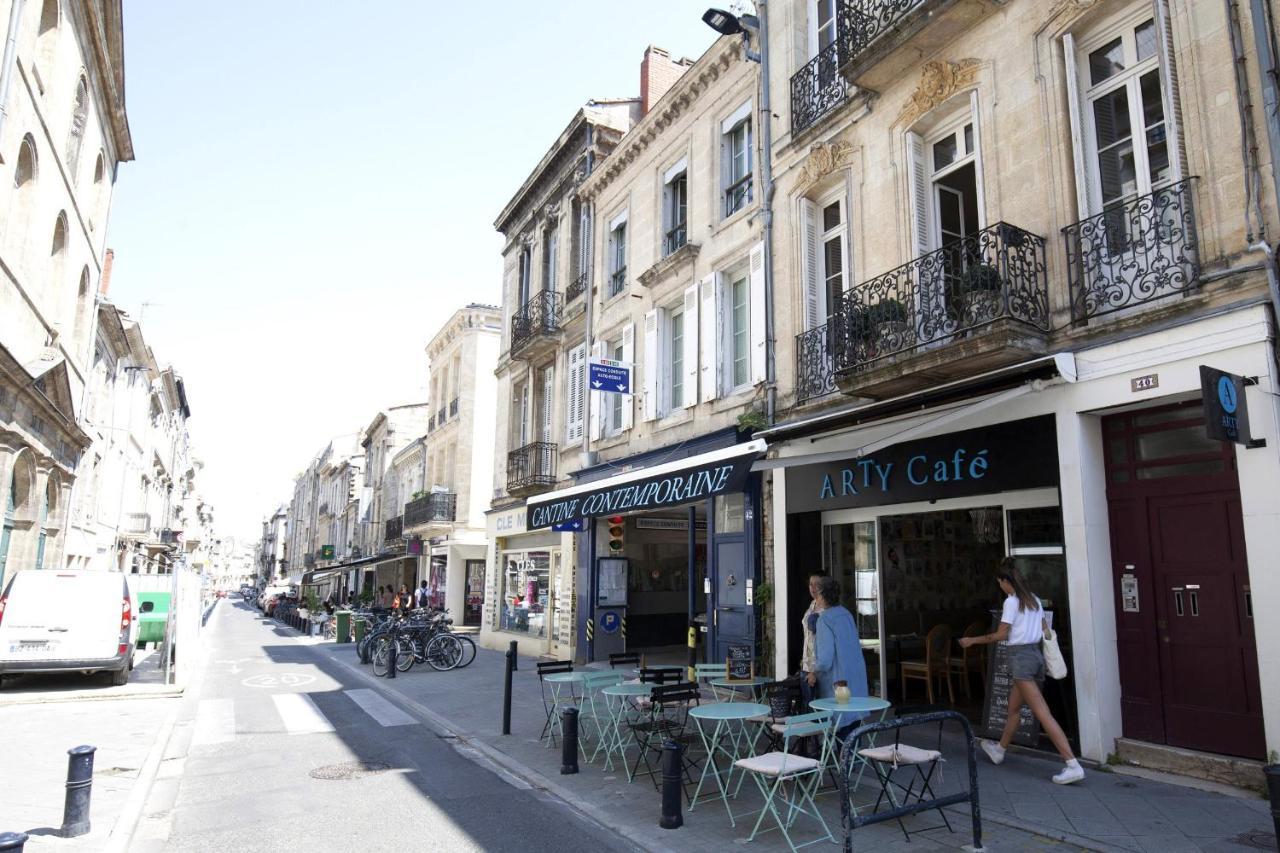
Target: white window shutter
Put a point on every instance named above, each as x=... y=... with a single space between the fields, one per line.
x=595 y=408
x=548 y=401
x=574 y=394
x=919 y=189
x=1173 y=104
x=691 y=346
x=709 y=334
x=651 y=384
x=977 y=157
x=757 y=318
x=814 y=313
x=629 y=356
x=1079 y=147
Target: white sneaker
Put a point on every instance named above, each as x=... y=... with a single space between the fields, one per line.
x=1070 y=774
x=993 y=750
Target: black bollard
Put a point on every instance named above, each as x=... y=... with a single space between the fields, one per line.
x=391 y=651
x=515 y=654
x=672 y=807
x=1272 y=773
x=75 y=812
x=506 y=690
x=569 y=745
x=13 y=841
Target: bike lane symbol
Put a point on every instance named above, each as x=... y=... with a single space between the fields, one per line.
x=288 y=679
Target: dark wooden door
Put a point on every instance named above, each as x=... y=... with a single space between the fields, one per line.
x=1188 y=660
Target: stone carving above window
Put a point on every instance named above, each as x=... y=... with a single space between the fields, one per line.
x=823 y=159
x=938 y=82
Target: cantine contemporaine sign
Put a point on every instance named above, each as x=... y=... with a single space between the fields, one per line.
x=1016 y=455
x=685 y=485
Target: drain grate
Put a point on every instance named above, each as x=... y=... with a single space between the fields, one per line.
x=349 y=770
x=1257 y=839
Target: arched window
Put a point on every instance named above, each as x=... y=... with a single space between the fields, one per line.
x=46 y=38
x=57 y=259
x=84 y=311
x=25 y=175
x=23 y=200
x=48 y=505
x=99 y=179
x=75 y=133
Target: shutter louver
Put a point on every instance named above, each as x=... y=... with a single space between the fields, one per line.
x=629 y=356
x=651 y=362
x=759 y=343
x=691 y=346
x=814 y=313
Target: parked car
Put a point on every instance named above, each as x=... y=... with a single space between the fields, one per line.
x=59 y=621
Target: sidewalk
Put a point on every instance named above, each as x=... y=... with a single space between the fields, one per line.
x=146 y=681
x=1022 y=809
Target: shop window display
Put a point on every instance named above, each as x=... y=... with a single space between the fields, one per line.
x=526 y=589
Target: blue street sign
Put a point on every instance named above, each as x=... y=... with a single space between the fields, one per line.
x=568 y=527
x=610 y=621
x=613 y=377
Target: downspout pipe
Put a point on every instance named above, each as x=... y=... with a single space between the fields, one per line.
x=1264 y=44
x=8 y=63
x=766 y=208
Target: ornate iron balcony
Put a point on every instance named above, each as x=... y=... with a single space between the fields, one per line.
x=675 y=238
x=532 y=466
x=442 y=416
x=437 y=507
x=431 y=423
x=815 y=375
x=617 y=281
x=453 y=407
x=818 y=88
x=577 y=287
x=539 y=316
x=394 y=529
x=1134 y=252
x=994 y=274
x=861 y=22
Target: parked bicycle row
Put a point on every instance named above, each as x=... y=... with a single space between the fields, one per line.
x=423 y=636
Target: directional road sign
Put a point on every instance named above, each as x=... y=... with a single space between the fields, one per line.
x=612 y=377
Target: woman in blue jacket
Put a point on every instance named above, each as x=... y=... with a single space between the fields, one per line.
x=839 y=653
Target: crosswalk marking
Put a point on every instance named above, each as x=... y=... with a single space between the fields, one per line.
x=215 y=722
x=300 y=714
x=379 y=708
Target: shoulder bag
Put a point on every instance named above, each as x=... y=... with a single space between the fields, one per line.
x=1054 y=663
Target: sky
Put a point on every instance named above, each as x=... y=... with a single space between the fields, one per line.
x=314 y=192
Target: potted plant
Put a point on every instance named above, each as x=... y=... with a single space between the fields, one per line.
x=885 y=328
x=981 y=294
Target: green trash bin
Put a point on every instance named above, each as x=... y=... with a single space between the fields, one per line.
x=362 y=627
x=344 y=625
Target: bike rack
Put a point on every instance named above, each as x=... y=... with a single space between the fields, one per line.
x=849 y=821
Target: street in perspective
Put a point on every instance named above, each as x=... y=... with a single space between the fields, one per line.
x=803 y=424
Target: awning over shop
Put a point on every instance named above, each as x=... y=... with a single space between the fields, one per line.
x=692 y=478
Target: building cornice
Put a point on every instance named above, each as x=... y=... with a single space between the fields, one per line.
x=106 y=34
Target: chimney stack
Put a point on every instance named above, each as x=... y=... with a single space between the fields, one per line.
x=105 y=282
x=658 y=73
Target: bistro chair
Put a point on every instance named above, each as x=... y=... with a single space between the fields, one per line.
x=960 y=665
x=621 y=659
x=919 y=762
x=708 y=671
x=784 y=699
x=774 y=771
x=666 y=717
x=937 y=650
x=594 y=709
x=546 y=668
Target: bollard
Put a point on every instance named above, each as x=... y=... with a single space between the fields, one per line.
x=506 y=690
x=75 y=812
x=515 y=654
x=13 y=841
x=672 y=807
x=391 y=651
x=569 y=745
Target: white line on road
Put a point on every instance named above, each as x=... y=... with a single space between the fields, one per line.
x=300 y=714
x=215 y=722
x=379 y=708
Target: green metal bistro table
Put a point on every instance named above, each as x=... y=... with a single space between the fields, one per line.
x=859 y=705
x=727 y=739
x=619 y=697
x=727 y=690
x=558 y=680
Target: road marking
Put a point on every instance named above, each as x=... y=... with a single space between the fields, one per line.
x=288 y=679
x=379 y=708
x=215 y=722
x=300 y=714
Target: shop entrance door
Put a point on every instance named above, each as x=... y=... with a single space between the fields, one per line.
x=735 y=575
x=1182 y=585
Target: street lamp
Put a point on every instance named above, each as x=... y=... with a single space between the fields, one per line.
x=728 y=24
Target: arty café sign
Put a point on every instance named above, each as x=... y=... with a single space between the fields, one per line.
x=1016 y=455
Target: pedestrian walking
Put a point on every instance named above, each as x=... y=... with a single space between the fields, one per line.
x=1022 y=626
x=405 y=598
x=424 y=595
x=838 y=654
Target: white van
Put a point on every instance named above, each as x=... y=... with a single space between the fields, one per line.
x=58 y=621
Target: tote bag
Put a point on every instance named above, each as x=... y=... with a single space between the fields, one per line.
x=1054 y=663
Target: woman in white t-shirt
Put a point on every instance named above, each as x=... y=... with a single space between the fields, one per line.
x=1022 y=627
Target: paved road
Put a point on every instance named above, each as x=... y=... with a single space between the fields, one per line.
x=269 y=725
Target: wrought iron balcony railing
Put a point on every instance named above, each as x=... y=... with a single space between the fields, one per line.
x=675 y=238
x=539 y=316
x=435 y=507
x=1134 y=252
x=453 y=407
x=532 y=466
x=815 y=374
x=394 y=529
x=431 y=423
x=442 y=415
x=577 y=287
x=617 y=281
x=861 y=22
x=818 y=88
x=995 y=274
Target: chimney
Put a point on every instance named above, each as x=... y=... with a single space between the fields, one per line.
x=658 y=73
x=105 y=282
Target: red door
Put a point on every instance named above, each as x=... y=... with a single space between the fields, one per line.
x=1188 y=662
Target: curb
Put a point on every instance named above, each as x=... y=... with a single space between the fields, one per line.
x=125 y=825
x=447 y=728
x=161 y=692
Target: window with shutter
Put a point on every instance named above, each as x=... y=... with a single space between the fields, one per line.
x=689 y=345
x=756 y=319
x=814 y=313
x=595 y=413
x=575 y=394
x=627 y=355
x=709 y=337
x=651 y=377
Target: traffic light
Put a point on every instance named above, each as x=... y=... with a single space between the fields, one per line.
x=616 y=527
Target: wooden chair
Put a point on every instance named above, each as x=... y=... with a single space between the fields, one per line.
x=961 y=666
x=937 y=649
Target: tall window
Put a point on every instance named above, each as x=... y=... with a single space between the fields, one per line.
x=675 y=359
x=75 y=133
x=739 y=330
x=6 y=528
x=550 y=257
x=826 y=21
x=46 y=41
x=524 y=274
x=675 y=212
x=45 y=506
x=833 y=255
x=99 y=175
x=614 y=424
x=1125 y=106
x=618 y=258
x=57 y=255
x=737 y=153
x=520 y=414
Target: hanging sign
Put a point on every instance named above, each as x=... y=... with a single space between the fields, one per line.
x=609 y=376
x=1226 y=418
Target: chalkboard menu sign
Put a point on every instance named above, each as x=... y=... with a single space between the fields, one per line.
x=995 y=709
x=739 y=659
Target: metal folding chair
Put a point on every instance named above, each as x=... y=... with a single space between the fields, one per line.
x=666 y=718
x=546 y=668
x=593 y=710
x=774 y=771
x=624 y=659
x=921 y=763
